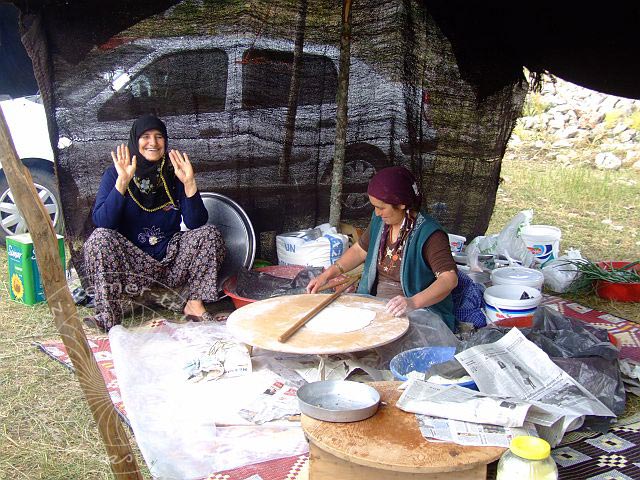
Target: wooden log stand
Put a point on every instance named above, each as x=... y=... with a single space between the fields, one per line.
x=389 y=446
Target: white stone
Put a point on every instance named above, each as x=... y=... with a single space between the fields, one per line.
x=564 y=143
x=557 y=123
x=608 y=161
x=632 y=156
x=619 y=128
x=569 y=132
x=562 y=108
x=636 y=166
x=627 y=136
x=608 y=103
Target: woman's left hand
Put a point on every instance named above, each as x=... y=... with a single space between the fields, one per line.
x=184 y=171
x=400 y=305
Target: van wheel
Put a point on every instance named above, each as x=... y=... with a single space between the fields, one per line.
x=358 y=170
x=11 y=220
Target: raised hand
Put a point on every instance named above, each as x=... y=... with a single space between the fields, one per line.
x=184 y=171
x=125 y=167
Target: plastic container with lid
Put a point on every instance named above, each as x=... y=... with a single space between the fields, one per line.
x=529 y=277
x=528 y=458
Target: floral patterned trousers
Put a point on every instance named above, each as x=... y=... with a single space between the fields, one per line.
x=117 y=269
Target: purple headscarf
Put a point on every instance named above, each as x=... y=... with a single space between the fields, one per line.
x=395 y=185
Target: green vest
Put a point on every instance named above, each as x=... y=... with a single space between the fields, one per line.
x=415 y=273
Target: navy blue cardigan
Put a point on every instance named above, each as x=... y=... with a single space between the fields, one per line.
x=150 y=231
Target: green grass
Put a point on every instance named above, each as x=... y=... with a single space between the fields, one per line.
x=47 y=431
x=598 y=212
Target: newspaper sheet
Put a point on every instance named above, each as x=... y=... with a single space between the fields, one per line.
x=312 y=367
x=472 y=434
x=458 y=403
x=278 y=400
x=515 y=367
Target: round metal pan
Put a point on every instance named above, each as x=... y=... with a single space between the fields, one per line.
x=237 y=231
x=338 y=401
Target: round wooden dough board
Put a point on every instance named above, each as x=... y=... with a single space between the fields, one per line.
x=261 y=323
x=391 y=440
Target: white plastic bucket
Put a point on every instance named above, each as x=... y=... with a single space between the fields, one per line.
x=456 y=242
x=528 y=277
x=503 y=301
x=543 y=241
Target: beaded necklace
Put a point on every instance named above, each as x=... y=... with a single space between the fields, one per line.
x=393 y=251
x=166 y=189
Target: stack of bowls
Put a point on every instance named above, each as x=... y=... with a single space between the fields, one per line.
x=515 y=293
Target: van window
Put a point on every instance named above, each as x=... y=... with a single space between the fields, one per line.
x=182 y=83
x=266 y=79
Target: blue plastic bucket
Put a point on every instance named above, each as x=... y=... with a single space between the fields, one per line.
x=420 y=360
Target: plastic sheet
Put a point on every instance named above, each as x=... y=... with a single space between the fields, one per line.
x=261 y=285
x=174 y=421
x=426 y=328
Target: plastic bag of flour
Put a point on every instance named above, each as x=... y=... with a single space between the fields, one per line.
x=315 y=247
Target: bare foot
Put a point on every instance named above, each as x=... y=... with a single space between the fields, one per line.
x=194 y=307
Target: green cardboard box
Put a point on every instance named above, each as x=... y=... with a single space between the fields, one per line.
x=25 y=284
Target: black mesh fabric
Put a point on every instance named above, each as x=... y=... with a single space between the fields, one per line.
x=219 y=74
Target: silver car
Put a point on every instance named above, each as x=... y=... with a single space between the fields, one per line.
x=224 y=99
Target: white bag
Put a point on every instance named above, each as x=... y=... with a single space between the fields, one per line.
x=559 y=274
x=315 y=247
x=510 y=243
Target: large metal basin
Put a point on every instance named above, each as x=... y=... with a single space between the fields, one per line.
x=338 y=401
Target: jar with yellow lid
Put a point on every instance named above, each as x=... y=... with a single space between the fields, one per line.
x=528 y=458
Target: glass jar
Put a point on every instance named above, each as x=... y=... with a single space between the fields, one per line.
x=528 y=458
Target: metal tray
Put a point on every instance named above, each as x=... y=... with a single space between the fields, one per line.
x=237 y=231
x=338 y=401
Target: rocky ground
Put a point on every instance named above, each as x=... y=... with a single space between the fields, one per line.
x=572 y=125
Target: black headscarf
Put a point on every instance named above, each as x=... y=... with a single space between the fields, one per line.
x=154 y=184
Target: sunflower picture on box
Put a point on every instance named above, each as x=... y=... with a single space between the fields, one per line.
x=17 y=287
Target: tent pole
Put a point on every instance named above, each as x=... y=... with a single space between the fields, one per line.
x=65 y=315
x=342 y=97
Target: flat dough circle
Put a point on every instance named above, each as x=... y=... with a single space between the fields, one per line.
x=340 y=319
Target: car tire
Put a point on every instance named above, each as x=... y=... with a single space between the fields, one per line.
x=359 y=168
x=12 y=222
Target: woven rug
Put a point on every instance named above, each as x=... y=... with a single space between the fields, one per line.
x=585 y=456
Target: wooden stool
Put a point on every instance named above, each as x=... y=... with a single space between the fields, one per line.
x=389 y=446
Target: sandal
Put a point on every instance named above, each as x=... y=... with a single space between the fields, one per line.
x=93 y=322
x=205 y=317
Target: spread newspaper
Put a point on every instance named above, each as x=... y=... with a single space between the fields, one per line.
x=519 y=384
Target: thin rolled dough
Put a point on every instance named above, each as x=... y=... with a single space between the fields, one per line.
x=341 y=319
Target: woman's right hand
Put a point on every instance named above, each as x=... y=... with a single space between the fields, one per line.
x=316 y=283
x=125 y=166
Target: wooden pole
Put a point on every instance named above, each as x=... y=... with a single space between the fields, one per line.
x=65 y=314
x=342 y=97
x=294 y=92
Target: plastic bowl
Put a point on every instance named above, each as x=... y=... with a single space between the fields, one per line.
x=284 y=271
x=620 y=292
x=420 y=360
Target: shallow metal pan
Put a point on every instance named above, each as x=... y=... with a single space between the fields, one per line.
x=338 y=401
